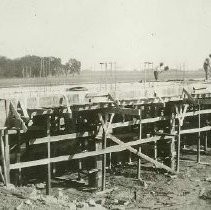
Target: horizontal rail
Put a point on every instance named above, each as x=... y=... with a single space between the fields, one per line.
x=111 y=149
x=60 y=137
x=195 y=130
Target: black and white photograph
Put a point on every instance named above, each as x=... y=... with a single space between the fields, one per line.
x=105 y=104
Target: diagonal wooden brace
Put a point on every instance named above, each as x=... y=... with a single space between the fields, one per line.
x=131 y=149
x=181 y=113
x=106 y=126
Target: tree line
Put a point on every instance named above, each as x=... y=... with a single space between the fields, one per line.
x=35 y=66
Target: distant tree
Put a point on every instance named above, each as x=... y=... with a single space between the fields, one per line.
x=73 y=66
x=35 y=66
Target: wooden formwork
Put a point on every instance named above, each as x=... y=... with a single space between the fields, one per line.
x=159 y=123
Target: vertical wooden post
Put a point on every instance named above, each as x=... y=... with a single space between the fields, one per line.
x=48 y=183
x=18 y=159
x=205 y=141
x=129 y=157
x=173 y=140
x=155 y=150
x=6 y=145
x=139 y=159
x=7 y=156
x=110 y=157
x=98 y=165
x=53 y=165
x=199 y=136
x=178 y=146
x=104 y=142
x=3 y=157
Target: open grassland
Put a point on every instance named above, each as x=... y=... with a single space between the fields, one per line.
x=100 y=77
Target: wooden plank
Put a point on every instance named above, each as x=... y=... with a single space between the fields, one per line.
x=205 y=141
x=48 y=183
x=155 y=151
x=137 y=122
x=104 y=142
x=190 y=98
x=126 y=111
x=18 y=159
x=106 y=125
x=173 y=151
x=156 y=119
x=7 y=156
x=111 y=149
x=61 y=137
x=196 y=130
x=194 y=113
x=131 y=149
x=139 y=149
x=3 y=157
x=178 y=147
x=199 y=136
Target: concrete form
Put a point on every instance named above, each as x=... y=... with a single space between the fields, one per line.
x=150 y=120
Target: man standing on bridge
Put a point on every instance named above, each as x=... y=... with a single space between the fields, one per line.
x=206 y=67
x=159 y=70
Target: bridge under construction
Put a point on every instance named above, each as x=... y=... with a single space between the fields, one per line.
x=91 y=129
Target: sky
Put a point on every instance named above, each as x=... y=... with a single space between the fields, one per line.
x=128 y=32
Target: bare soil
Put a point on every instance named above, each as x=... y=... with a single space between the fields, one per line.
x=190 y=189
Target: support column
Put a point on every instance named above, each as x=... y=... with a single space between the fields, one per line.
x=178 y=146
x=104 y=142
x=205 y=141
x=173 y=152
x=3 y=157
x=199 y=136
x=48 y=182
x=7 y=156
x=139 y=149
x=99 y=165
x=18 y=159
x=155 y=150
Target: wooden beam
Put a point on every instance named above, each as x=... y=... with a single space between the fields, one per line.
x=156 y=119
x=48 y=182
x=104 y=144
x=131 y=149
x=205 y=141
x=3 y=157
x=126 y=111
x=61 y=137
x=196 y=130
x=139 y=149
x=190 y=98
x=7 y=156
x=18 y=159
x=173 y=151
x=111 y=149
x=199 y=136
x=106 y=125
x=178 y=147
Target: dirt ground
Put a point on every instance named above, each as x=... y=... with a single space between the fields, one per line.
x=190 y=189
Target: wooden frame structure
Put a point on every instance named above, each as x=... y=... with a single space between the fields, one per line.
x=139 y=113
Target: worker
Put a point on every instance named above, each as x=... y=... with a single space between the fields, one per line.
x=159 y=70
x=206 y=67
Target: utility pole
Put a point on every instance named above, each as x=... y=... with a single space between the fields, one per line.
x=115 y=74
x=101 y=68
x=111 y=75
x=106 y=65
x=49 y=70
x=40 y=67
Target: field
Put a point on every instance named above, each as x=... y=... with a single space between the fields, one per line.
x=99 y=77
